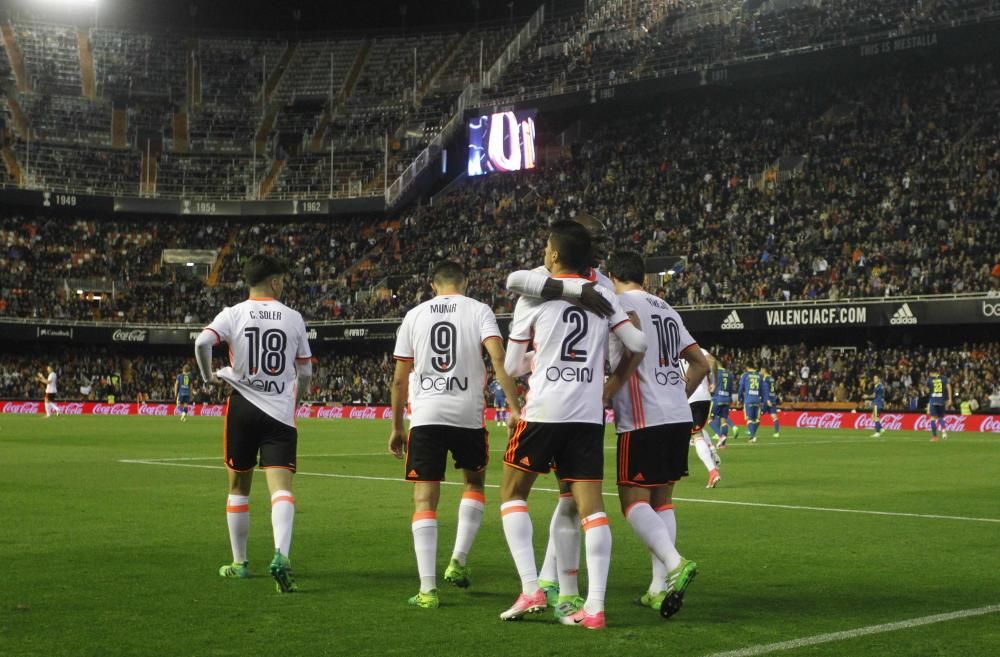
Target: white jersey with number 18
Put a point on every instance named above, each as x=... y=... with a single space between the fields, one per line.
x=444 y=338
x=265 y=338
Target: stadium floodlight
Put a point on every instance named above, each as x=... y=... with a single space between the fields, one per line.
x=190 y=264
x=79 y=291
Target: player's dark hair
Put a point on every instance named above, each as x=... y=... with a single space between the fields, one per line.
x=572 y=242
x=261 y=267
x=448 y=272
x=627 y=266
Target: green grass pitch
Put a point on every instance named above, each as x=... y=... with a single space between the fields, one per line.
x=112 y=531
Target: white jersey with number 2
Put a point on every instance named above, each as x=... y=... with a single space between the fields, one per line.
x=265 y=338
x=571 y=346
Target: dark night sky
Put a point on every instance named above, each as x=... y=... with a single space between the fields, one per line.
x=276 y=15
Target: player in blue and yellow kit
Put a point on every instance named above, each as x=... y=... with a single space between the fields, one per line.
x=878 y=404
x=750 y=394
x=940 y=398
x=499 y=402
x=722 y=397
x=770 y=399
x=182 y=391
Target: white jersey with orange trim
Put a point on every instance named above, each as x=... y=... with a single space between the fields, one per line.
x=701 y=393
x=50 y=384
x=571 y=346
x=654 y=394
x=265 y=338
x=593 y=276
x=444 y=338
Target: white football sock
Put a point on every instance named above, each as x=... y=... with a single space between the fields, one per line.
x=238 y=519
x=704 y=453
x=470 y=517
x=597 y=541
x=425 y=538
x=650 y=528
x=564 y=533
x=517 y=530
x=658 y=581
x=282 y=519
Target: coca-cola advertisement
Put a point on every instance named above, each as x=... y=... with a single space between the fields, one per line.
x=804 y=419
x=20 y=408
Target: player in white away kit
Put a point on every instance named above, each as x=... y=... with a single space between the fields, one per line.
x=653 y=422
x=51 y=390
x=269 y=369
x=558 y=576
x=441 y=344
x=701 y=404
x=562 y=423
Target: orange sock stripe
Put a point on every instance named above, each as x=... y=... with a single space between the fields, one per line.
x=237 y=508
x=562 y=495
x=632 y=506
x=470 y=495
x=425 y=515
x=514 y=509
x=665 y=507
x=596 y=522
x=283 y=498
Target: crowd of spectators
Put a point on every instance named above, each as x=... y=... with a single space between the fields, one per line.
x=803 y=374
x=575 y=53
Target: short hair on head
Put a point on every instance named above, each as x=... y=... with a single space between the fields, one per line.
x=448 y=272
x=627 y=266
x=261 y=267
x=572 y=241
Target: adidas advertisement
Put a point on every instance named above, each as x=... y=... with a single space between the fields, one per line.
x=827 y=316
x=732 y=322
x=903 y=316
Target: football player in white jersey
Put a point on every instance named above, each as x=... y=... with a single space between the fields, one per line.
x=441 y=343
x=51 y=390
x=270 y=367
x=557 y=576
x=653 y=422
x=701 y=404
x=562 y=423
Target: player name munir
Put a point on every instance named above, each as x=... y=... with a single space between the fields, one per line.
x=443 y=383
x=274 y=315
x=656 y=302
x=444 y=307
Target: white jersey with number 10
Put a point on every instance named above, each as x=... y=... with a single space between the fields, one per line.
x=654 y=395
x=265 y=338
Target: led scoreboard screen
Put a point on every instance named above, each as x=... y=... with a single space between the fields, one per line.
x=504 y=141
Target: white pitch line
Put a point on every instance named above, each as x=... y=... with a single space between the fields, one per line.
x=765 y=648
x=789 y=507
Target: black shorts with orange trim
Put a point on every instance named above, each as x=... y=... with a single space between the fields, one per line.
x=574 y=449
x=653 y=456
x=250 y=432
x=699 y=414
x=427 y=448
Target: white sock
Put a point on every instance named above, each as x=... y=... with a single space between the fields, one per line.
x=564 y=534
x=425 y=541
x=658 y=581
x=704 y=453
x=282 y=518
x=650 y=528
x=470 y=517
x=238 y=519
x=517 y=530
x=550 y=565
x=711 y=445
x=597 y=540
